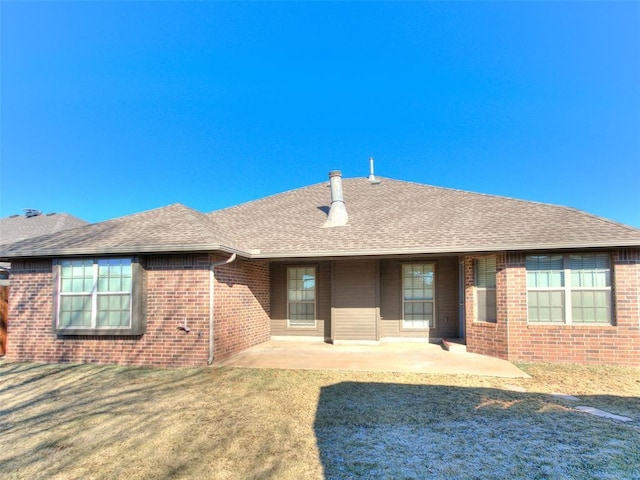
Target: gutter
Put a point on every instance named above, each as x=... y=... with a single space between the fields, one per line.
x=446 y=250
x=212 y=280
x=118 y=250
x=255 y=253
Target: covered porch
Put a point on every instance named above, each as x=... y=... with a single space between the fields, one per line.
x=369 y=299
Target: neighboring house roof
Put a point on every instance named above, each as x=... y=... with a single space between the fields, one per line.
x=392 y=217
x=174 y=228
x=19 y=227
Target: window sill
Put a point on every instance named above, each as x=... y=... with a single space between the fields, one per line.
x=600 y=326
x=120 y=332
x=484 y=324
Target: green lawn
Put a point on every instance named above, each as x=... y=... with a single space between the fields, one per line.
x=88 y=421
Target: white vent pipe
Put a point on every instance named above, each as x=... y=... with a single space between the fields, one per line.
x=372 y=177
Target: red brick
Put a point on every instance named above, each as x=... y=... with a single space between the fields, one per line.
x=514 y=339
x=175 y=287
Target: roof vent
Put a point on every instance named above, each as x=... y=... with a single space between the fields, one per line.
x=338 y=212
x=31 y=212
x=372 y=178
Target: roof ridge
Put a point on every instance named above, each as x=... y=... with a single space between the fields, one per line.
x=201 y=220
x=143 y=212
x=520 y=200
x=472 y=192
x=598 y=217
x=382 y=178
x=268 y=197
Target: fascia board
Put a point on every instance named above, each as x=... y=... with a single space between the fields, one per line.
x=128 y=250
x=142 y=249
x=443 y=250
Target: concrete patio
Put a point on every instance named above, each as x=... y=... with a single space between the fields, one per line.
x=416 y=357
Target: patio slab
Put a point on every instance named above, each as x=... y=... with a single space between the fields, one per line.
x=379 y=357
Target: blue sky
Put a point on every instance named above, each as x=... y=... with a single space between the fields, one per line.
x=111 y=108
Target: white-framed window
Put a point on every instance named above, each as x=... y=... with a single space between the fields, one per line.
x=301 y=296
x=485 y=282
x=569 y=288
x=418 y=294
x=96 y=296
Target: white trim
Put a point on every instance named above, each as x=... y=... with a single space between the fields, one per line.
x=303 y=302
x=94 y=294
x=433 y=323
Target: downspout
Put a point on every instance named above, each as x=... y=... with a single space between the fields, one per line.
x=212 y=280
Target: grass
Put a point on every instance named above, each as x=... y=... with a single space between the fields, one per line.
x=88 y=421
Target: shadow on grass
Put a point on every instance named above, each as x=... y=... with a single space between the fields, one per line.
x=58 y=417
x=400 y=431
x=90 y=421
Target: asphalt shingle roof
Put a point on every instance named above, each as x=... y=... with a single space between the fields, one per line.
x=403 y=217
x=169 y=229
x=393 y=217
x=19 y=227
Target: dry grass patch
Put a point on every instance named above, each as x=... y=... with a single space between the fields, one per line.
x=610 y=388
x=87 y=421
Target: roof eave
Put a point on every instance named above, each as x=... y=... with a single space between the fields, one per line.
x=128 y=250
x=253 y=253
x=447 y=250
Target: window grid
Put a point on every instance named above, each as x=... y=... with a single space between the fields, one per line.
x=301 y=297
x=95 y=293
x=418 y=284
x=569 y=289
x=485 y=282
x=485 y=272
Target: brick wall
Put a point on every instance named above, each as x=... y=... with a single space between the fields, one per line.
x=599 y=344
x=242 y=307
x=4 y=313
x=486 y=338
x=175 y=288
x=30 y=305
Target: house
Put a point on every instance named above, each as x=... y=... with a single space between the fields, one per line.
x=35 y=223
x=349 y=260
x=19 y=227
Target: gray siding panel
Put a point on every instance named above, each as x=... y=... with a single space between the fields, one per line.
x=278 y=292
x=390 y=298
x=355 y=312
x=447 y=301
x=323 y=305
